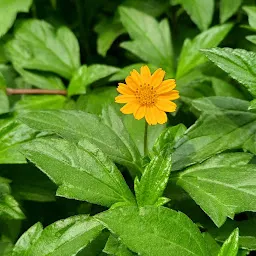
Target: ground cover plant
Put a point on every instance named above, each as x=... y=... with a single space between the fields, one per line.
x=127 y=127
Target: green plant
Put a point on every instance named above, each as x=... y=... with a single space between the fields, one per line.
x=77 y=177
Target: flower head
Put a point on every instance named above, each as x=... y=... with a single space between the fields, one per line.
x=148 y=95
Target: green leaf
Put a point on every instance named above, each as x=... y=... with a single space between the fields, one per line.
x=38 y=46
x=238 y=63
x=95 y=100
x=29 y=238
x=42 y=81
x=169 y=137
x=154 y=179
x=62 y=238
x=12 y=134
x=108 y=30
x=115 y=247
x=151 y=40
x=251 y=12
x=3 y=58
x=247 y=237
x=252 y=105
x=222 y=88
x=113 y=120
x=85 y=76
x=212 y=183
x=200 y=11
x=82 y=173
x=206 y=137
x=96 y=246
x=40 y=102
x=191 y=56
x=230 y=247
x=151 y=7
x=9 y=10
x=9 y=207
x=251 y=38
x=154 y=231
x=76 y=125
x=228 y=8
x=4 y=102
x=5 y=248
x=212 y=245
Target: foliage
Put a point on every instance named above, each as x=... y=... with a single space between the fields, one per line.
x=77 y=177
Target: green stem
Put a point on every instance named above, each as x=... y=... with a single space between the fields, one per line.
x=146 y=139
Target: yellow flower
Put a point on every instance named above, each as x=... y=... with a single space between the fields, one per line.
x=148 y=95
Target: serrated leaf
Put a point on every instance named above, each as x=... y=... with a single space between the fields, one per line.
x=206 y=137
x=154 y=179
x=222 y=185
x=82 y=173
x=85 y=76
x=9 y=207
x=151 y=40
x=169 y=137
x=228 y=8
x=230 y=246
x=37 y=45
x=191 y=56
x=238 y=63
x=62 y=238
x=154 y=231
x=113 y=120
x=9 y=10
x=12 y=134
x=251 y=12
x=200 y=11
x=76 y=125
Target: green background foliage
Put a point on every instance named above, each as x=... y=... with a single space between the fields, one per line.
x=74 y=177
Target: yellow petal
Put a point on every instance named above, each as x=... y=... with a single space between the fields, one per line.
x=136 y=77
x=130 y=83
x=129 y=108
x=145 y=74
x=166 y=86
x=166 y=105
x=124 y=89
x=160 y=116
x=172 y=95
x=125 y=98
x=140 y=113
x=157 y=77
x=150 y=116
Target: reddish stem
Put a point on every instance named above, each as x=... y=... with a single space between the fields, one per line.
x=11 y=91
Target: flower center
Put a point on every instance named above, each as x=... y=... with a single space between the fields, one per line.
x=145 y=94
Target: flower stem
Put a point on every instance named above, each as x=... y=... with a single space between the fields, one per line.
x=11 y=91
x=146 y=139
